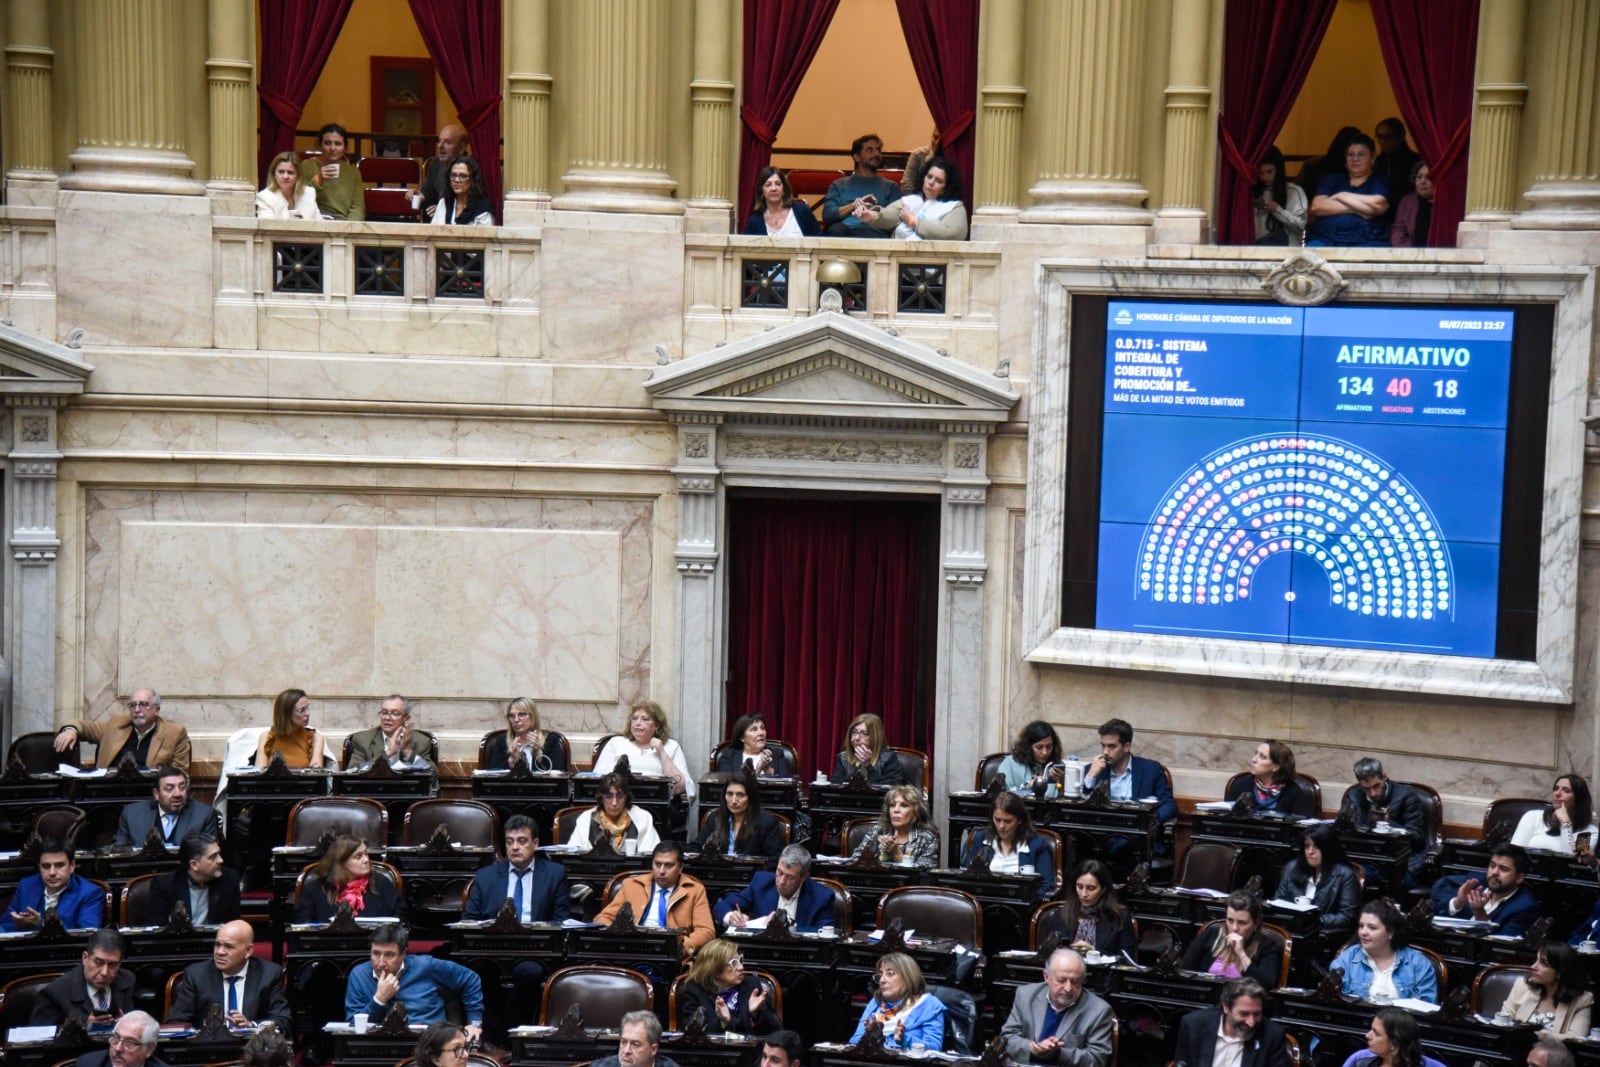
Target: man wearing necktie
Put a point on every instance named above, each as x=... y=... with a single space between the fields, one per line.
x=666 y=897
x=248 y=989
x=98 y=989
x=170 y=810
x=1057 y=1020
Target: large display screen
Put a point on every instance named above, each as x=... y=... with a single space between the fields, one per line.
x=1327 y=476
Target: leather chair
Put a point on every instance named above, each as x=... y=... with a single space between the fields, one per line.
x=935 y=911
x=1063 y=862
x=914 y=765
x=64 y=822
x=783 y=821
x=1307 y=782
x=1210 y=931
x=390 y=201
x=38 y=754
x=1441 y=973
x=360 y=816
x=599 y=746
x=675 y=1023
x=171 y=991
x=566 y=747
x=380 y=869
x=960 y=1018
x=1435 y=828
x=561 y=826
x=1492 y=985
x=136 y=902
x=988 y=767
x=108 y=906
x=605 y=995
x=349 y=739
x=854 y=830
x=1507 y=812
x=1209 y=865
x=470 y=822
x=843 y=905
x=17 y=998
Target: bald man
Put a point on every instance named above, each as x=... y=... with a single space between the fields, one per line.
x=436 y=176
x=249 y=990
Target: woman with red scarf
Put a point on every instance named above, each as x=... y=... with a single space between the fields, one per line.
x=344 y=875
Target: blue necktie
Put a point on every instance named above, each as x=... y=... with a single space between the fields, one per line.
x=661 y=905
x=233 y=994
x=169 y=823
x=518 y=901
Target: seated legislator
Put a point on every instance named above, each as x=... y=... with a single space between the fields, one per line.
x=422 y=983
x=768 y=761
x=1093 y=918
x=248 y=988
x=1239 y=947
x=442 y=1045
x=1556 y=828
x=1058 y=1020
x=1132 y=777
x=936 y=213
x=1500 y=898
x=1552 y=994
x=1236 y=1031
x=1009 y=844
x=1375 y=799
x=910 y=1015
x=649 y=749
x=140 y=732
x=1272 y=785
x=808 y=904
x=466 y=203
x=732 y=1001
x=344 y=875
x=904 y=832
x=523 y=740
x=1034 y=758
x=665 y=898
x=1380 y=964
x=286 y=196
x=171 y=809
x=208 y=889
x=776 y=213
x=79 y=902
x=1393 y=1040
x=537 y=889
x=861 y=187
x=1587 y=932
x=1351 y=209
x=341 y=194
x=97 y=988
x=614 y=816
x=268 y=1047
x=132 y=1044
x=738 y=827
x=639 y=1044
x=395 y=738
x=866 y=747
x=291 y=735
x=1320 y=875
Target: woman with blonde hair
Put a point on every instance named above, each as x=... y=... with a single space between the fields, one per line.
x=285 y=195
x=865 y=748
x=649 y=749
x=908 y=1013
x=523 y=740
x=291 y=735
x=904 y=833
x=731 y=999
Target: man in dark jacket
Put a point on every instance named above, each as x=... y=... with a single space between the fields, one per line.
x=1239 y=1021
x=98 y=989
x=207 y=888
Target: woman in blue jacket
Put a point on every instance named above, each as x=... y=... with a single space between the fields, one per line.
x=1380 y=964
x=909 y=1013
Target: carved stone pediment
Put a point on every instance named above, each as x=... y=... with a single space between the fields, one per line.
x=32 y=366
x=831 y=369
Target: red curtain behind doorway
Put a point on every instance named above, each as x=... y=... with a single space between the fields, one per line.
x=942 y=36
x=780 y=41
x=464 y=40
x=296 y=39
x=825 y=619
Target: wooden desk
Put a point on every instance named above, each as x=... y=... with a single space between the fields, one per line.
x=867 y=885
x=540 y=1046
x=1008 y=902
x=539 y=794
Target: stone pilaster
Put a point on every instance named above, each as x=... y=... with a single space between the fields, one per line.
x=126 y=69
x=1497 y=110
x=959 y=703
x=527 y=110
x=1566 y=187
x=230 y=87
x=711 y=93
x=1191 y=138
x=702 y=638
x=30 y=72
x=34 y=542
x=619 y=110
x=1086 y=98
x=1000 y=100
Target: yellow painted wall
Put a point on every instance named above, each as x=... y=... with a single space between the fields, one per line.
x=861 y=82
x=343 y=93
x=1347 y=86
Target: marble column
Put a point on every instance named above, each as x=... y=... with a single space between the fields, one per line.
x=712 y=139
x=702 y=619
x=230 y=83
x=1497 y=110
x=1086 y=99
x=127 y=66
x=527 y=110
x=30 y=66
x=34 y=542
x=1190 y=126
x=618 y=121
x=1000 y=101
x=1566 y=138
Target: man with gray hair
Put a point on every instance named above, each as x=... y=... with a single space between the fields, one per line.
x=1550 y=1052
x=639 y=1044
x=133 y=1044
x=395 y=738
x=1058 y=1020
x=788 y=889
x=1376 y=801
x=139 y=732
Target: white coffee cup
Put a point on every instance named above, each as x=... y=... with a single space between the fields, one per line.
x=362 y=1022
x=822 y=779
x=335 y=167
x=630 y=846
x=416 y=201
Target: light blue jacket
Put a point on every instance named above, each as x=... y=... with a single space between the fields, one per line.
x=1413 y=974
x=924 y=1023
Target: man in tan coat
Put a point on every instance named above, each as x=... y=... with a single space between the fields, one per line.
x=140 y=731
x=666 y=897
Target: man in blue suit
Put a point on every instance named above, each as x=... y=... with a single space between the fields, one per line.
x=1500 y=898
x=78 y=901
x=539 y=893
x=1132 y=777
x=809 y=905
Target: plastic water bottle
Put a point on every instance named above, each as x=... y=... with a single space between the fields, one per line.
x=1072 y=785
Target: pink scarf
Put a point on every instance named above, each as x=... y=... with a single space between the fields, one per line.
x=354 y=894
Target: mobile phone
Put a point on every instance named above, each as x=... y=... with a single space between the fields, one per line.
x=1582 y=843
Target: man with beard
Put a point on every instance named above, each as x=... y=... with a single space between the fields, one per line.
x=1234 y=1034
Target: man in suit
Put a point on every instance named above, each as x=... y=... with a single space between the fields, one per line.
x=78 y=901
x=539 y=893
x=789 y=888
x=666 y=897
x=209 y=889
x=1132 y=777
x=640 y=1043
x=395 y=737
x=1212 y=1035
x=140 y=732
x=1058 y=1020
x=133 y=1044
x=1500 y=898
x=97 y=989
x=248 y=990
x=170 y=810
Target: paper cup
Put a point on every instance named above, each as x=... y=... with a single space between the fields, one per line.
x=362 y=1022
x=630 y=847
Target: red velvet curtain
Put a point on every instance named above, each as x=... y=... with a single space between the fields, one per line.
x=780 y=40
x=826 y=619
x=1430 y=49
x=942 y=36
x=1267 y=49
x=463 y=37
x=296 y=38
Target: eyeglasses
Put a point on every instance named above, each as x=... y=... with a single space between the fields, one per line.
x=737 y=961
x=126 y=1042
x=455 y=1050
x=860 y=731
x=461 y=177
x=142 y=704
